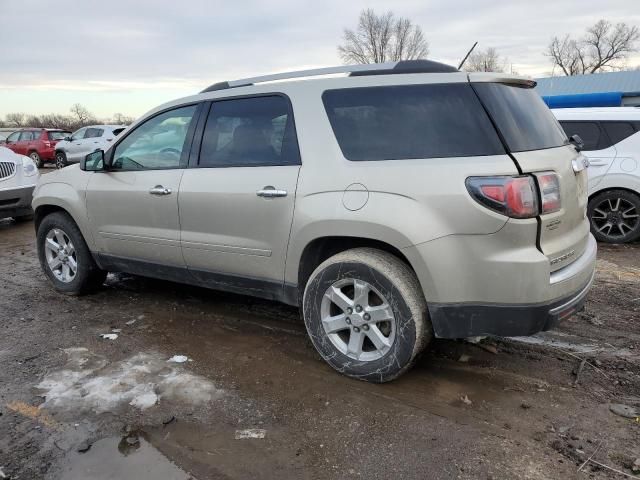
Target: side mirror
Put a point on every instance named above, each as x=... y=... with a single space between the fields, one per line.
x=94 y=162
x=67 y=139
x=577 y=142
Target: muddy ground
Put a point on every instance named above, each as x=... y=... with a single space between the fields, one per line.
x=254 y=400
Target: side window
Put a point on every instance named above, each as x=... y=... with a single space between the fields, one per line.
x=78 y=134
x=13 y=137
x=410 y=122
x=249 y=132
x=93 y=133
x=589 y=132
x=157 y=143
x=26 y=136
x=618 y=131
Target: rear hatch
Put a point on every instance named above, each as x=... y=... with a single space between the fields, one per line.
x=537 y=144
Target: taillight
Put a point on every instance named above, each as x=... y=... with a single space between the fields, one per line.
x=549 y=184
x=47 y=144
x=516 y=197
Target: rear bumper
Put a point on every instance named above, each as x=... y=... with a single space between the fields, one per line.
x=470 y=320
x=47 y=154
x=565 y=291
x=16 y=201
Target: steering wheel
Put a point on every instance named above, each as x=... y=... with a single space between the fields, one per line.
x=170 y=151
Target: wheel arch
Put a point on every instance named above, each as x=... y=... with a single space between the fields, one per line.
x=318 y=249
x=61 y=197
x=611 y=188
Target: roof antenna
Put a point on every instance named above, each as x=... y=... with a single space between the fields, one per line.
x=467 y=56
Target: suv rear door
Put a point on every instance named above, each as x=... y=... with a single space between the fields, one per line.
x=237 y=198
x=538 y=144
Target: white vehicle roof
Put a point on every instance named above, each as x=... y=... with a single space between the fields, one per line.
x=603 y=113
x=110 y=127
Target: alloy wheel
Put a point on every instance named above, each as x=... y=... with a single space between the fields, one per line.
x=358 y=319
x=61 y=255
x=60 y=163
x=36 y=159
x=615 y=217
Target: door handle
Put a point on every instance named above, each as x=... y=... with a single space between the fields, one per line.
x=271 y=192
x=160 y=190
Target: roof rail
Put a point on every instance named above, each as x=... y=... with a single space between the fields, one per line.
x=403 y=66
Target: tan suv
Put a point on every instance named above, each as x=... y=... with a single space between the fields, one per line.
x=394 y=203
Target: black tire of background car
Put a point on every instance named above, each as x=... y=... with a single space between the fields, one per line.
x=88 y=277
x=395 y=280
x=35 y=156
x=61 y=160
x=630 y=197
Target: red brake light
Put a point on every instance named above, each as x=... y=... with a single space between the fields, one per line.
x=515 y=197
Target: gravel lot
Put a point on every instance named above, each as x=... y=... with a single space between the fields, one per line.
x=253 y=400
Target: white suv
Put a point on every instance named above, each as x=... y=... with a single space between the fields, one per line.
x=404 y=201
x=84 y=141
x=611 y=142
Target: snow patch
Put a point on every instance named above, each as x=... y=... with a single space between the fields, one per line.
x=178 y=359
x=250 y=433
x=109 y=336
x=90 y=382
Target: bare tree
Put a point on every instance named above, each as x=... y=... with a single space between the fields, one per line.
x=121 y=119
x=16 y=120
x=81 y=113
x=488 y=60
x=382 y=38
x=604 y=47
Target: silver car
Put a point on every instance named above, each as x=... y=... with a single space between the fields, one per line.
x=84 y=141
x=401 y=202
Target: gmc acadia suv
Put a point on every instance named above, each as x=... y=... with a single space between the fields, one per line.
x=396 y=203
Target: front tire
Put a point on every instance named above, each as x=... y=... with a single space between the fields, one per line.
x=35 y=156
x=366 y=315
x=61 y=160
x=65 y=257
x=615 y=216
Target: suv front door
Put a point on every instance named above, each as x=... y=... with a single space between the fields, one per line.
x=74 y=146
x=133 y=205
x=237 y=198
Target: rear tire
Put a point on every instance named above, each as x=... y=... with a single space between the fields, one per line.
x=614 y=216
x=366 y=314
x=35 y=156
x=61 y=160
x=65 y=257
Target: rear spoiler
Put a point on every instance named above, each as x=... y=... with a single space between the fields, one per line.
x=495 y=77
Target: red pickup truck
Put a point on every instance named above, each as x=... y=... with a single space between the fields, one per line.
x=37 y=143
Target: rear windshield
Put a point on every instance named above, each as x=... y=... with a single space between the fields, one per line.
x=410 y=121
x=524 y=120
x=58 y=135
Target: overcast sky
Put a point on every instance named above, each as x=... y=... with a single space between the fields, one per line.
x=129 y=56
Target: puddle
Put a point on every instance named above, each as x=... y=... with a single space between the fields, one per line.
x=116 y=458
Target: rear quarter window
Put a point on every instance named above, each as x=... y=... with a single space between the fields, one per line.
x=589 y=132
x=521 y=116
x=618 y=131
x=410 y=122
